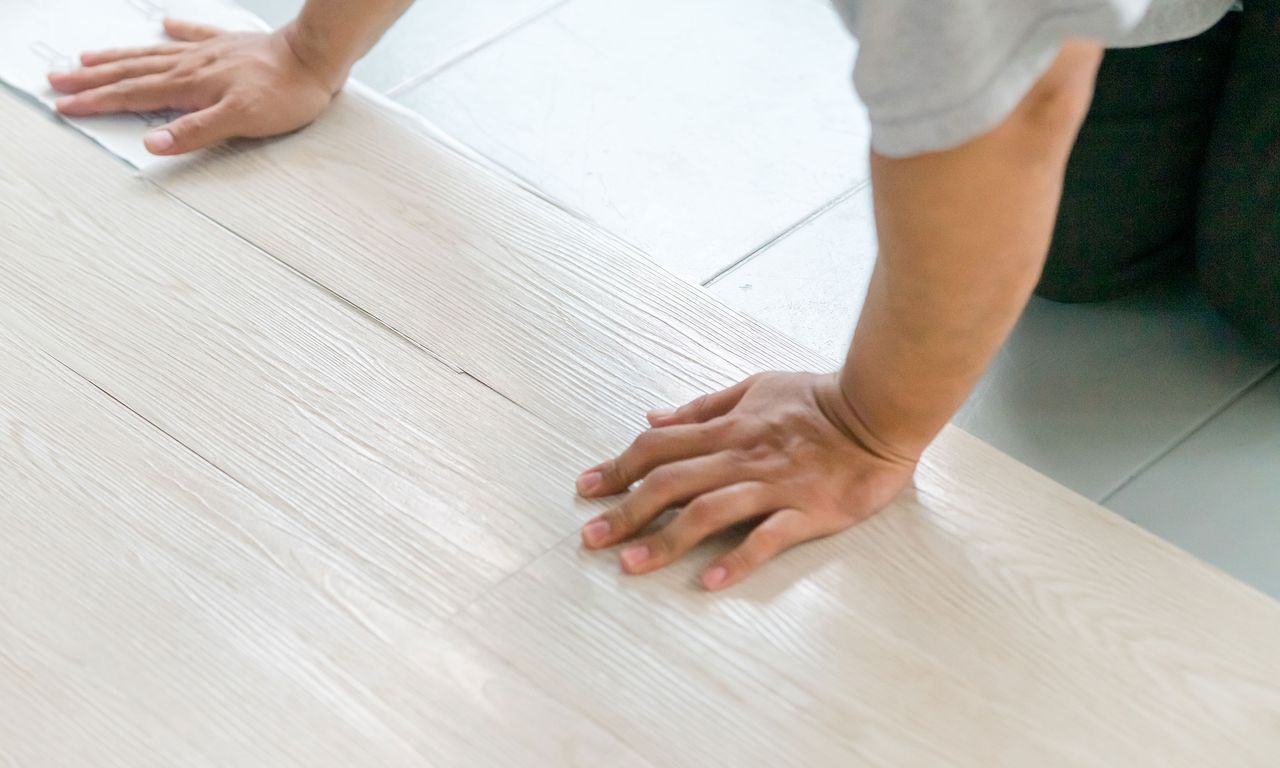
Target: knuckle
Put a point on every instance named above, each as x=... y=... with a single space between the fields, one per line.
x=622 y=518
x=662 y=545
x=662 y=481
x=646 y=443
x=614 y=473
x=767 y=538
x=237 y=102
x=696 y=408
x=700 y=514
x=737 y=561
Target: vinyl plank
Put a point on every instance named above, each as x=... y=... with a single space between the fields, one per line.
x=989 y=610
x=548 y=310
x=371 y=445
x=429 y=35
x=1031 y=628
x=695 y=129
x=1085 y=394
x=154 y=612
x=1217 y=494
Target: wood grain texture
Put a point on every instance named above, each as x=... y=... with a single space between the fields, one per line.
x=960 y=629
x=369 y=444
x=1084 y=639
x=988 y=618
x=154 y=612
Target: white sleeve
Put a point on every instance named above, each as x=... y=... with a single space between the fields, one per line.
x=937 y=73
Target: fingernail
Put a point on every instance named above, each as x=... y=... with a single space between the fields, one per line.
x=661 y=414
x=65 y=103
x=634 y=557
x=158 y=141
x=596 y=531
x=713 y=578
x=590 y=482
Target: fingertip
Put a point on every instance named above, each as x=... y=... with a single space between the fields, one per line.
x=715 y=578
x=635 y=558
x=595 y=534
x=590 y=483
x=159 y=141
x=67 y=105
x=660 y=417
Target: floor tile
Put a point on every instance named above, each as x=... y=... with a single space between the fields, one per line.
x=1085 y=394
x=430 y=34
x=1217 y=494
x=696 y=129
x=811 y=284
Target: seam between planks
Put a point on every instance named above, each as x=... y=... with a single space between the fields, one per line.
x=413 y=81
x=343 y=301
x=166 y=433
x=803 y=222
x=1190 y=432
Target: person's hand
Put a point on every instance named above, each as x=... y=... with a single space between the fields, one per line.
x=784 y=448
x=230 y=84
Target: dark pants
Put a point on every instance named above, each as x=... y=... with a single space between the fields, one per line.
x=1178 y=167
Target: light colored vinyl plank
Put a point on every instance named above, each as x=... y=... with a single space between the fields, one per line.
x=696 y=129
x=429 y=35
x=1217 y=494
x=1065 y=619
x=551 y=311
x=1013 y=625
x=371 y=445
x=1086 y=394
x=153 y=612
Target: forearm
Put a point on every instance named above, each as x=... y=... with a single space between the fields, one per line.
x=963 y=238
x=332 y=35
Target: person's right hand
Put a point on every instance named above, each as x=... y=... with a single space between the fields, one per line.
x=230 y=84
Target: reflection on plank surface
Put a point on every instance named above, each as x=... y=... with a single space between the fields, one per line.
x=407 y=533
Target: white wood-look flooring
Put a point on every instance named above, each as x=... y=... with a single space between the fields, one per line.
x=724 y=139
x=287 y=441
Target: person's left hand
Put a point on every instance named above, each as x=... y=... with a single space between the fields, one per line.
x=784 y=448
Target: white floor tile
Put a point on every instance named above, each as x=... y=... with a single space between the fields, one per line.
x=431 y=33
x=1085 y=394
x=696 y=129
x=811 y=284
x=1217 y=495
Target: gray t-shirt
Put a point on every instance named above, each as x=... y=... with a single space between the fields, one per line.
x=936 y=73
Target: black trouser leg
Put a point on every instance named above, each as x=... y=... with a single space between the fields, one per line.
x=1238 y=227
x=1132 y=182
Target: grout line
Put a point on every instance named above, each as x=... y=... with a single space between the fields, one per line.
x=784 y=234
x=1189 y=433
x=413 y=81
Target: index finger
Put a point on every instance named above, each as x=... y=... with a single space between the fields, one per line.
x=652 y=449
x=94 y=58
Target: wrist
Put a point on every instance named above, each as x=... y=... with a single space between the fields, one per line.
x=851 y=417
x=330 y=60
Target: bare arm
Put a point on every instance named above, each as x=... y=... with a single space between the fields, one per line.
x=963 y=239
x=964 y=234
x=335 y=34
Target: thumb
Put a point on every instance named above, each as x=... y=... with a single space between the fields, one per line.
x=191 y=132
